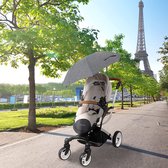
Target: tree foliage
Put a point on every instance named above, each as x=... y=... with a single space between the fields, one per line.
x=58 y=89
x=164 y=59
x=127 y=70
x=45 y=34
x=41 y=28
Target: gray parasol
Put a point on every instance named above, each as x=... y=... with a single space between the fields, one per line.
x=89 y=66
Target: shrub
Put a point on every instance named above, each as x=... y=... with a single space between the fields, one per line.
x=5 y=106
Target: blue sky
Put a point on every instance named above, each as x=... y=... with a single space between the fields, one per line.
x=112 y=17
x=121 y=16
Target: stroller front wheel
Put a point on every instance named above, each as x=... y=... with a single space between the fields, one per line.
x=117 y=139
x=64 y=153
x=85 y=159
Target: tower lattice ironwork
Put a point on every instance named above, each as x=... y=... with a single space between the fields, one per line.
x=141 y=54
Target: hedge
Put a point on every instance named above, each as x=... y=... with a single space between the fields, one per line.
x=6 y=106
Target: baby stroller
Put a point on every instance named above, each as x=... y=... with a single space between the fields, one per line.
x=93 y=108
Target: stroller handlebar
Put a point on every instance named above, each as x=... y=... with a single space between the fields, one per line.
x=119 y=82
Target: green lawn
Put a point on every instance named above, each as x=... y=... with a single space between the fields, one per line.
x=49 y=116
x=45 y=117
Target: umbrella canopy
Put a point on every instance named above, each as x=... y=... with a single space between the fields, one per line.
x=89 y=66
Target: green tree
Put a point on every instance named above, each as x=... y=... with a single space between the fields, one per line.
x=5 y=90
x=164 y=79
x=132 y=78
x=45 y=34
x=126 y=68
x=40 y=89
x=164 y=59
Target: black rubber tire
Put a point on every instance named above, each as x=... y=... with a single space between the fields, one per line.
x=62 y=154
x=117 y=139
x=83 y=160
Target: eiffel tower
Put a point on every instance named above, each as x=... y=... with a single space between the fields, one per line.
x=141 y=54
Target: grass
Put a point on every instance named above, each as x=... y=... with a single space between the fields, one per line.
x=46 y=117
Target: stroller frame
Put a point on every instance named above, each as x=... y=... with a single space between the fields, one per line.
x=89 y=139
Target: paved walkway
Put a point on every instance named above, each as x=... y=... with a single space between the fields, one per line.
x=145 y=143
x=7 y=138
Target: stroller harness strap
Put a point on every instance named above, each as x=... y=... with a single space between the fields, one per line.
x=88 y=102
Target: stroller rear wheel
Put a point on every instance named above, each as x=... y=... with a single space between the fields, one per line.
x=117 y=139
x=85 y=159
x=64 y=153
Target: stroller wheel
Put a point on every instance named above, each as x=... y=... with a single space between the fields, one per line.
x=117 y=139
x=85 y=159
x=64 y=153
